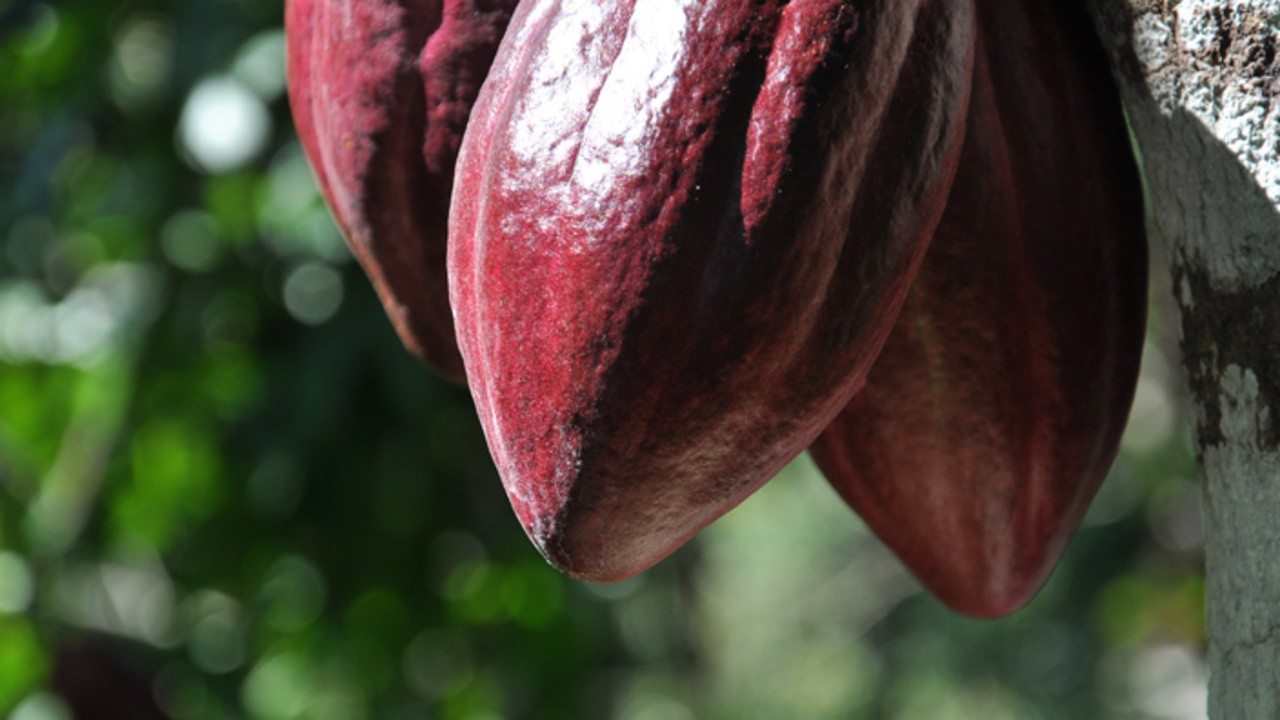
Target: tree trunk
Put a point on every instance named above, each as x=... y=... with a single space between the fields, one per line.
x=1201 y=85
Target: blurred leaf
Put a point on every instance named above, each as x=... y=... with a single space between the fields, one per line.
x=175 y=479
x=24 y=662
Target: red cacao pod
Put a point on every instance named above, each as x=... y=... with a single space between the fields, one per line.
x=996 y=407
x=381 y=91
x=680 y=233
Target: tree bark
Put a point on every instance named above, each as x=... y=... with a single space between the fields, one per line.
x=1201 y=86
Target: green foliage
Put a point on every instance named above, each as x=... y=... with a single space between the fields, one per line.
x=223 y=478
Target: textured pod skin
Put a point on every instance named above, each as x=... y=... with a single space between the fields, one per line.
x=381 y=91
x=680 y=232
x=996 y=407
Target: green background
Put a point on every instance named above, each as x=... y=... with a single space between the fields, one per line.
x=227 y=491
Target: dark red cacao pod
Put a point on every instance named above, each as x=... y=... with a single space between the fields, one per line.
x=381 y=91
x=680 y=234
x=996 y=407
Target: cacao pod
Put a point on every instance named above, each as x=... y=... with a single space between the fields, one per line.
x=680 y=233
x=994 y=411
x=381 y=91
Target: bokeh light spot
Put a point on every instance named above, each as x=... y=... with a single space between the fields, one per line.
x=216 y=639
x=42 y=706
x=437 y=664
x=17 y=583
x=190 y=241
x=143 y=61
x=224 y=125
x=260 y=64
x=293 y=594
x=276 y=485
x=42 y=32
x=278 y=688
x=313 y=293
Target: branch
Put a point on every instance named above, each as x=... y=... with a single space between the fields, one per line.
x=1201 y=85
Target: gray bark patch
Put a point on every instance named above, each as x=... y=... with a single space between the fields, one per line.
x=1222 y=329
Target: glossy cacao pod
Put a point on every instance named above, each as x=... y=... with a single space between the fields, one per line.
x=381 y=91
x=996 y=407
x=681 y=231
